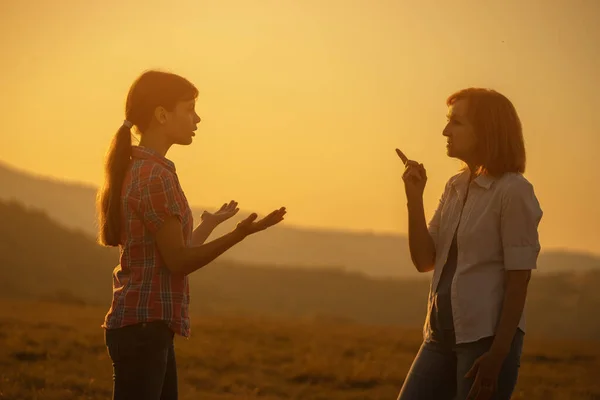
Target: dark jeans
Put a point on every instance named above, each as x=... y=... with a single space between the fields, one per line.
x=143 y=360
x=438 y=371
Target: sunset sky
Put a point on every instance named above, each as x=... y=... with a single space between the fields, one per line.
x=304 y=101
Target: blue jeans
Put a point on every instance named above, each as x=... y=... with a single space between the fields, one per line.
x=143 y=360
x=438 y=371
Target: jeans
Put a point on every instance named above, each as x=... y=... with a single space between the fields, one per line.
x=438 y=371
x=143 y=359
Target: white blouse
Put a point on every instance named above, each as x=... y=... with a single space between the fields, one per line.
x=498 y=231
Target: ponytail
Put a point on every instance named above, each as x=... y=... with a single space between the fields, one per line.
x=109 y=199
x=150 y=90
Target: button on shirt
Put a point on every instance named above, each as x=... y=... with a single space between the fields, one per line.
x=498 y=232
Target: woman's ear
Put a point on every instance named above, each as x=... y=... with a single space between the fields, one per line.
x=160 y=114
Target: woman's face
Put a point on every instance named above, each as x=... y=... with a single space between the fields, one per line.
x=462 y=140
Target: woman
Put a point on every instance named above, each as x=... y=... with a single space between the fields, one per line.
x=143 y=210
x=481 y=243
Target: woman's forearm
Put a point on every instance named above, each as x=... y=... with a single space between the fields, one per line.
x=422 y=248
x=515 y=293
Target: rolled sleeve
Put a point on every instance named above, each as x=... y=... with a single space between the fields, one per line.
x=159 y=201
x=520 y=218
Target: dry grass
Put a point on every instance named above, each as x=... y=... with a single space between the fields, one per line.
x=52 y=351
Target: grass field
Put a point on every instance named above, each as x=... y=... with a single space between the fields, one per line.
x=56 y=351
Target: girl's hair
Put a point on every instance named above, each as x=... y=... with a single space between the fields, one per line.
x=501 y=147
x=150 y=90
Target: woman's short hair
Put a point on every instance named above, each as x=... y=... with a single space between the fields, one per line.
x=500 y=144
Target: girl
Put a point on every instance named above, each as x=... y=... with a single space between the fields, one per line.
x=481 y=244
x=143 y=210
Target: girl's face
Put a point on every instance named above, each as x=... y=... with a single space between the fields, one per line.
x=181 y=123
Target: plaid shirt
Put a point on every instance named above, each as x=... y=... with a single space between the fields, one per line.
x=143 y=288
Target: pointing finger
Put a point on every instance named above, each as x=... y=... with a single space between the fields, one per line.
x=402 y=156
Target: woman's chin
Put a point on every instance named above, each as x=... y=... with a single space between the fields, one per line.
x=185 y=141
x=451 y=152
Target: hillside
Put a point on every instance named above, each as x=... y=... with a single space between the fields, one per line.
x=376 y=255
x=39 y=258
x=72 y=205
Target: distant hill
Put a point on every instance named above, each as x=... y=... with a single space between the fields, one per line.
x=73 y=206
x=39 y=258
x=377 y=255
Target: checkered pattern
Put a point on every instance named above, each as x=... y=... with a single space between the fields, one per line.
x=143 y=288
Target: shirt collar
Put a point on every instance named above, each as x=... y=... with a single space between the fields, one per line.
x=484 y=180
x=146 y=153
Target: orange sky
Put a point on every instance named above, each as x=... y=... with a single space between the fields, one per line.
x=303 y=102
